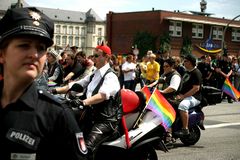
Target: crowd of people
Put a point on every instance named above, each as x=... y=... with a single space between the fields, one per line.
x=31 y=74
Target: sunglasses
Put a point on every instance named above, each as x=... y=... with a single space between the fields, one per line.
x=96 y=55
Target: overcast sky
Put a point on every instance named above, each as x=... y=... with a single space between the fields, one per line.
x=220 y=8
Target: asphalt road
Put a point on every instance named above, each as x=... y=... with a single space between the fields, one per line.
x=220 y=140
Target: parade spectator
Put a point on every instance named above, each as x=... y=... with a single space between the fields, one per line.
x=236 y=72
x=121 y=76
x=215 y=75
x=153 y=69
x=178 y=65
x=224 y=69
x=62 y=60
x=42 y=79
x=161 y=57
x=205 y=69
x=115 y=65
x=86 y=63
x=128 y=69
x=143 y=68
x=55 y=70
x=73 y=70
x=74 y=49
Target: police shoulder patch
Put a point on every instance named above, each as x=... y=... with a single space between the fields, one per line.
x=46 y=94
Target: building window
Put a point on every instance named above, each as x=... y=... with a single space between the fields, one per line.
x=83 y=31
x=64 y=29
x=76 y=41
x=82 y=41
x=236 y=34
x=99 y=32
x=58 y=29
x=64 y=41
x=197 y=30
x=76 y=30
x=99 y=40
x=70 y=40
x=91 y=28
x=70 y=30
x=175 y=29
x=58 y=39
x=217 y=33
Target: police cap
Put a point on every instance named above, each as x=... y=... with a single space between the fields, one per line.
x=26 y=21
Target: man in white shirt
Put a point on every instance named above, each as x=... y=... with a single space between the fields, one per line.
x=101 y=88
x=128 y=69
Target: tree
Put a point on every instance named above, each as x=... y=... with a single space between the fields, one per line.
x=186 y=46
x=165 y=45
x=145 y=41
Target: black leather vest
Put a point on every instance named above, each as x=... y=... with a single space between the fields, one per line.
x=108 y=110
x=167 y=83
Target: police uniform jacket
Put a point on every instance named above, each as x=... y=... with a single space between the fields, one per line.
x=37 y=126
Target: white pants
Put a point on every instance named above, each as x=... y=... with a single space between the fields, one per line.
x=187 y=103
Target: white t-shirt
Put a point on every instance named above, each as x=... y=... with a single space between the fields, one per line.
x=129 y=75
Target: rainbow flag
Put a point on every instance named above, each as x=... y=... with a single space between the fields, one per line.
x=230 y=90
x=159 y=105
x=146 y=92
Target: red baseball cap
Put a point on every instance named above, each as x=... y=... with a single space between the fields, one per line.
x=105 y=49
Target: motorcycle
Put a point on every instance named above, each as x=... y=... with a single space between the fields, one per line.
x=196 y=122
x=210 y=96
x=144 y=131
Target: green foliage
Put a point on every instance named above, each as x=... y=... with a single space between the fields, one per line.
x=186 y=46
x=165 y=41
x=145 y=41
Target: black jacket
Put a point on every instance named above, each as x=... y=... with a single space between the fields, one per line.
x=38 y=126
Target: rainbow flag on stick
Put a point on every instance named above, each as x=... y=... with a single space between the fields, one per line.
x=159 y=105
x=146 y=92
x=230 y=90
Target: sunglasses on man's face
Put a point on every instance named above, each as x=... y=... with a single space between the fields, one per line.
x=96 y=55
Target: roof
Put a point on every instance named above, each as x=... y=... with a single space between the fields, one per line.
x=68 y=16
x=211 y=22
x=57 y=14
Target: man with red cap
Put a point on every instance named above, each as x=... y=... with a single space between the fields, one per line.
x=101 y=88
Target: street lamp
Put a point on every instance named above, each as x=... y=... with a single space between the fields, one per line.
x=225 y=29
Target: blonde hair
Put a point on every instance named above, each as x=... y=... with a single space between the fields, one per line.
x=152 y=55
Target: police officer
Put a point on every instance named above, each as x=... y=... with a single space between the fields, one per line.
x=33 y=125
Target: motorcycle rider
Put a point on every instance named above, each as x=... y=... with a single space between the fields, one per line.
x=190 y=93
x=170 y=83
x=99 y=95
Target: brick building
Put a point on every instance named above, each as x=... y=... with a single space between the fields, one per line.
x=198 y=26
